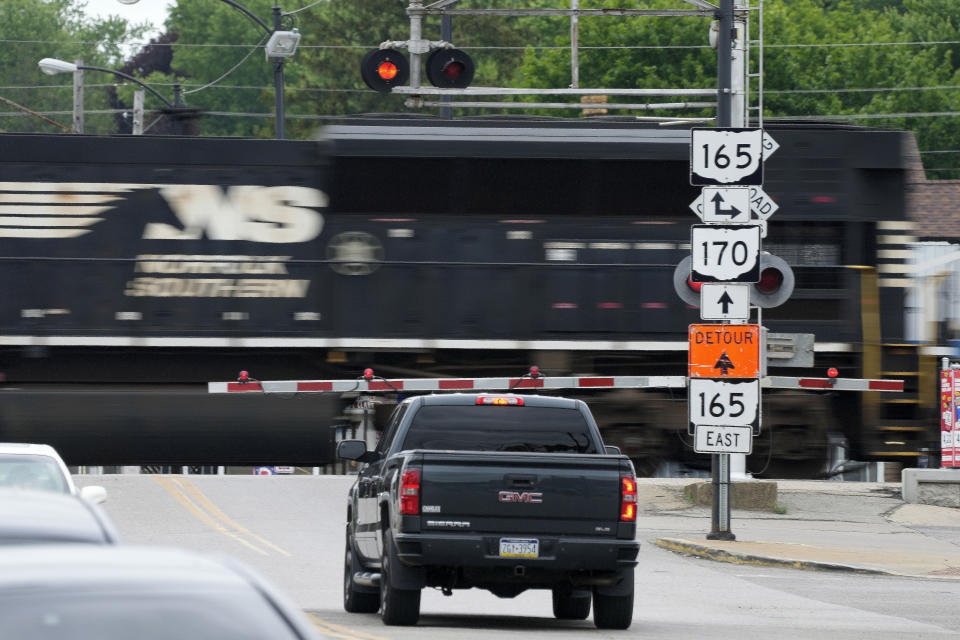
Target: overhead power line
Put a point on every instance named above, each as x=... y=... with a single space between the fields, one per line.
x=505 y=47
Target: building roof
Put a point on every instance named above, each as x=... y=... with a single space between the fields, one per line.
x=932 y=205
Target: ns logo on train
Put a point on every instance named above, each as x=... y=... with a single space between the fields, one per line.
x=272 y=214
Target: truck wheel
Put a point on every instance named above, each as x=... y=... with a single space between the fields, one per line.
x=613 y=612
x=397 y=606
x=355 y=600
x=568 y=607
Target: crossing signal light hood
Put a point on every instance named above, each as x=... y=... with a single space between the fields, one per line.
x=450 y=69
x=383 y=69
x=774 y=288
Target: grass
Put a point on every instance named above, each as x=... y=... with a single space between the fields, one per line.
x=779 y=508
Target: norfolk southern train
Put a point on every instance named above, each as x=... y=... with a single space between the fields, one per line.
x=136 y=269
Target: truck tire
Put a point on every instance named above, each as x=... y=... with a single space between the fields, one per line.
x=612 y=612
x=569 y=607
x=356 y=599
x=397 y=606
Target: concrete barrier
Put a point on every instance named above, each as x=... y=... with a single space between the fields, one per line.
x=756 y=494
x=939 y=487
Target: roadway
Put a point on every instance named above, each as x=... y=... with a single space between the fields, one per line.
x=291 y=529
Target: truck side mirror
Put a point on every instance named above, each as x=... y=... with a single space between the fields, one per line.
x=354 y=450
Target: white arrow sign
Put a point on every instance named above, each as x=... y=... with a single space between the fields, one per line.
x=730 y=205
x=726 y=156
x=725 y=253
x=726 y=403
x=725 y=301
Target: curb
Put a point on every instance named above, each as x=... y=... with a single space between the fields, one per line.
x=722 y=555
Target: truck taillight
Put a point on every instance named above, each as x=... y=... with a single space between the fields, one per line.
x=410 y=493
x=628 y=498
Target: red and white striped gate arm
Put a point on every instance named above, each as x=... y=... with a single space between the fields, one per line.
x=831 y=384
x=372 y=383
x=449 y=384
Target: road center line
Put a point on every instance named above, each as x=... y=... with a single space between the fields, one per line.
x=205 y=502
x=339 y=631
x=172 y=489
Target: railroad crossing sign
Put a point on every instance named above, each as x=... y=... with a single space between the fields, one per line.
x=725 y=253
x=727 y=156
x=724 y=351
x=724 y=403
x=725 y=301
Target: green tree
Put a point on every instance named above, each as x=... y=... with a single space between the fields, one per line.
x=35 y=29
x=219 y=59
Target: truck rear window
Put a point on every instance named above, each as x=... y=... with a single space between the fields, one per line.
x=491 y=428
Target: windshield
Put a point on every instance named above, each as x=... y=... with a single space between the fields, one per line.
x=24 y=471
x=499 y=428
x=145 y=615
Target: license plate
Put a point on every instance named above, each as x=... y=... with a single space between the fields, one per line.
x=519 y=548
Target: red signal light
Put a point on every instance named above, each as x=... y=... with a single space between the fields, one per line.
x=243 y=377
x=450 y=69
x=695 y=286
x=383 y=69
x=368 y=374
x=771 y=279
x=832 y=372
x=534 y=371
x=453 y=70
x=387 y=70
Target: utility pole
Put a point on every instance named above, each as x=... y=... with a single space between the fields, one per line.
x=280 y=114
x=138 y=96
x=720 y=462
x=78 y=97
x=446 y=34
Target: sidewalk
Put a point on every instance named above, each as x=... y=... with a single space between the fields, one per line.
x=849 y=526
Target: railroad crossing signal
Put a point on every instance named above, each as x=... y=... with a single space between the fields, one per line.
x=383 y=69
x=450 y=69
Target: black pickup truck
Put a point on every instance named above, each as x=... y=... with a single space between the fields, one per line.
x=500 y=492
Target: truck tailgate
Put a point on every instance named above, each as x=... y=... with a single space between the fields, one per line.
x=519 y=493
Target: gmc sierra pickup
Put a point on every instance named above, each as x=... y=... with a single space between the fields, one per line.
x=501 y=492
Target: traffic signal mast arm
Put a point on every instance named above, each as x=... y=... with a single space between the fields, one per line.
x=533 y=380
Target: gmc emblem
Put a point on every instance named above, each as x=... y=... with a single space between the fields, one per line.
x=533 y=497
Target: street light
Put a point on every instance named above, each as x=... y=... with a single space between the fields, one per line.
x=53 y=66
x=281 y=44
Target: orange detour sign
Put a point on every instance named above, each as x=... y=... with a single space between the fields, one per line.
x=724 y=351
